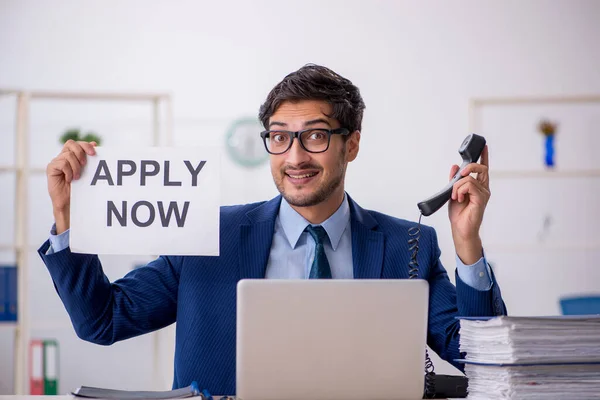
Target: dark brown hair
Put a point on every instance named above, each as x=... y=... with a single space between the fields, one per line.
x=315 y=82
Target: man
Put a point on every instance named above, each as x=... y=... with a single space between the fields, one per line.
x=313 y=230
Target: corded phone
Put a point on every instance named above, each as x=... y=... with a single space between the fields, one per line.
x=470 y=150
x=443 y=386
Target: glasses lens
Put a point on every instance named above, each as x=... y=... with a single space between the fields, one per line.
x=277 y=141
x=315 y=139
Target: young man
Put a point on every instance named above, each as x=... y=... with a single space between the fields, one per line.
x=313 y=230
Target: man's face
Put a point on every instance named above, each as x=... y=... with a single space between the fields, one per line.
x=306 y=179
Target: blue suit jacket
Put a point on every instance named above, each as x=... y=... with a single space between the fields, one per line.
x=200 y=292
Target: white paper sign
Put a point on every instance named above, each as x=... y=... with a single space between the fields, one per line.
x=147 y=201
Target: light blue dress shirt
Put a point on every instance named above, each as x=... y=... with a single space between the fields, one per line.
x=293 y=249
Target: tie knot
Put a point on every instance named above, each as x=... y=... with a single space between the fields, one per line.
x=317 y=232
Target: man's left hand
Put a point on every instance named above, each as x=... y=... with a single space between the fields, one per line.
x=470 y=196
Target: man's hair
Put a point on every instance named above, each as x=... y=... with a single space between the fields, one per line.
x=315 y=82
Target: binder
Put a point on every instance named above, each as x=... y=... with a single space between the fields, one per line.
x=36 y=367
x=12 y=293
x=8 y=293
x=50 y=367
x=3 y=294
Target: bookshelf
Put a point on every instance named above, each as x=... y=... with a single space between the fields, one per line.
x=476 y=110
x=162 y=123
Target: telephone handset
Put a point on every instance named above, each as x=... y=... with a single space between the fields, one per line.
x=442 y=386
x=470 y=151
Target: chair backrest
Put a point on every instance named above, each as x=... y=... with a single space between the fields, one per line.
x=584 y=305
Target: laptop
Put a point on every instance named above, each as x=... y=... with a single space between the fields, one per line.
x=331 y=339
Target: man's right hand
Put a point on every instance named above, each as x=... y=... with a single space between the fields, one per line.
x=61 y=171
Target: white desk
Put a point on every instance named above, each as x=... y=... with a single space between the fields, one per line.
x=66 y=398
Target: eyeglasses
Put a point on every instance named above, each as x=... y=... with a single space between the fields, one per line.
x=311 y=140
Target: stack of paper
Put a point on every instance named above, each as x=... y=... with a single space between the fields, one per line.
x=532 y=357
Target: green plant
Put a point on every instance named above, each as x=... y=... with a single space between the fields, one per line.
x=76 y=134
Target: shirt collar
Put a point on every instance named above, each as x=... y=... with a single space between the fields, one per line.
x=293 y=224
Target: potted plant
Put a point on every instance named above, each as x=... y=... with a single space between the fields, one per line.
x=77 y=135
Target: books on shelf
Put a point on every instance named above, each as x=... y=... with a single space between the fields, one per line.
x=8 y=293
x=43 y=367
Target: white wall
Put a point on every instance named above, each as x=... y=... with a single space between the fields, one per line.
x=416 y=63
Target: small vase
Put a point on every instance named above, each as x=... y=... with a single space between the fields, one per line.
x=550 y=151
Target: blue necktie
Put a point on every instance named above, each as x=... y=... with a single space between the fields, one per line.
x=320 y=267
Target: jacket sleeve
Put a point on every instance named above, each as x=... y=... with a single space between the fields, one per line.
x=447 y=302
x=102 y=312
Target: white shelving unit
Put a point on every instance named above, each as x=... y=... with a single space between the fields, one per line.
x=524 y=174
x=23 y=171
x=475 y=125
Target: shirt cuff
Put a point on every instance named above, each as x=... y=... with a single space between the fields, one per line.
x=58 y=242
x=477 y=275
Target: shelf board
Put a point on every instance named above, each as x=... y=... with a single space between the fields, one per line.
x=584 y=98
x=14 y=247
x=53 y=326
x=536 y=247
x=524 y=174
x=12 y=168
x=112 y=96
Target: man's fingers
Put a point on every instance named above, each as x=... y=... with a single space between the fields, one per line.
x=80 y=149
x=64 y=166
x=77 y=149
x=485 y=156
x=472 y=188
x=89 y=147
x=474 y=168
x=467 y=188
x=466 y=181
x=453 y=170
x=459 y=184
x=481 y=170
x=74 y=164
x=71 y=159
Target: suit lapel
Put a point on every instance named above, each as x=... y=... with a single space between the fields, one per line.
x=367 y=244
x=256 y=238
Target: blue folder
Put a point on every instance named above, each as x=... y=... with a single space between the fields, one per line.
x=8 y=293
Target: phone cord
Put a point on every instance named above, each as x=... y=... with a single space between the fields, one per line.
x=413 y=273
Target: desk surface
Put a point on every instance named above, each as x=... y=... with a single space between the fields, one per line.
x=63 y=397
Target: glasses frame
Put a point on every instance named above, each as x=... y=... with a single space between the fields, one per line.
x=296 y=135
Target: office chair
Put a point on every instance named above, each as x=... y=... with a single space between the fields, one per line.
x=580 y=305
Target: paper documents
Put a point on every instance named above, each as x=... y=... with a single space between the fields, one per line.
x=532 y=357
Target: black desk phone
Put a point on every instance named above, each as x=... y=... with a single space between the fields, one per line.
x=443 y=386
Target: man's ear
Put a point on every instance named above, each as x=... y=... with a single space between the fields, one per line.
x=352 y=146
